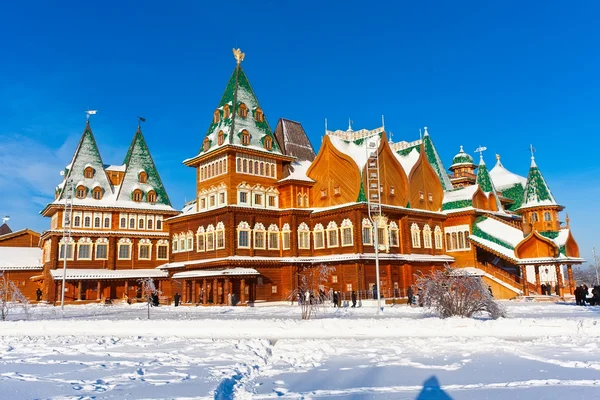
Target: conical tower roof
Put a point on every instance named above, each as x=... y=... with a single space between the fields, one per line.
x=462 y=158
x=137 y=160
x=510 y=184
x=485 y=181
x=231 y=123
x=86 y=155
x=436 y=162
x=537 y=192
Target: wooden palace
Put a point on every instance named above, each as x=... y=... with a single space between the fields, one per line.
x=268 y=206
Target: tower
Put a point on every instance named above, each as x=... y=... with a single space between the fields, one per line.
x=463 y=170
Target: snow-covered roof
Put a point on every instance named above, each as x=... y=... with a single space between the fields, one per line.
x=505 y=232
x=118 y=168
x=211 y=273
x=299 y=171
x=20 y=258
x=504 y=179
x=357 y=150
x=537 y=192
x=465 y=193
x=111 y=233
x=409 y=160
x=83 y=274
x=462 y=158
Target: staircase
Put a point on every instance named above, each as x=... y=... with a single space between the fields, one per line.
x=510 y=279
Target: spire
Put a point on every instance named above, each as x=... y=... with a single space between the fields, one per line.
x=537 y=192
x=498 y=163
x=238 y=111
x=436 y=162
x=425 y=133
x=137 y=160
x=568 y=220
x=483 y=176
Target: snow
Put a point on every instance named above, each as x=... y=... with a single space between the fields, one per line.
x=540 y=351
x=20 y=258
x=118 y=168
x=505 y=232
x=211 y=273
x=504 y=179
x=357 y=152
x=299 y=173
x=465 y=193
x=83 y=274
x=408 y=161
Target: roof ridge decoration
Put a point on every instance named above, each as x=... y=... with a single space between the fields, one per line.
x=537 y=192
x=137 y=159
x=226 y=119
x=86 y=154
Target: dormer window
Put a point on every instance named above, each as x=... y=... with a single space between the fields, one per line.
x=245 y=137
x=221 y=138
x=392 y=191
x=337 y=191
x=138 y=195
x=323 y=193
x=216 y=117
x=258 y=115
x=206 y=144
x=268 y=143
x=97 y=193
x=143 y=177
x=88 y=172
x=421 y=196
x=152 y=197
x=243 y=111
x=80 y=192
x=226 y=111
x=430 y=197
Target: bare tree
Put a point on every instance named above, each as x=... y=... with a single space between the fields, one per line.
x=11 y=297
x=456 y=293
x=308 y=291
x=585 y=274
x=148 y=290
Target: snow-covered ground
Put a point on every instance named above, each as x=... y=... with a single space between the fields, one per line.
x=540 y=351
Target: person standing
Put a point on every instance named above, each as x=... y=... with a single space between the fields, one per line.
x=177 y=297
x=409 y=296
x=353 y=299
x=335 y=299
x=38 y=294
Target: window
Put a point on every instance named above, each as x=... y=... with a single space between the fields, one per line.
x=189 y=241
x=258 y=115
x=243 y=110
x=158 y=225
x=70 y=249
x=534 y=217
x=245 y=138
x=142 y=177
x=273 y=289
x=174 y=243
x=285 y=237
x=259 y=236
x=149 y=224
x=348 y=287
x=437 y=232
x=97 y=193
x=221 y=198
x=258 y=199
x=80 y=192
x=427 y=236
x=334 y=279
x=337 y=191
x=244 y=197
x=124 y=249
x=77 y=221
x=243 y=235
x=394 y=237
x=210 y=238
x=88 y=172
x=162 y=250
x=272 y=201
x=318 y=233
x=123 y=223
x=346 y=230
x=421 y=196
x=226 y=111
x=202 y=203
x=415 y=233
x=131 y=223
x=137 y=195
x=87 y=222
x=216 y=117
x=268 y=146
x=430 y=197
x=212 y=200
x=97 y=222
x=152 y=197
x=323 y=193
x=332 y=234
x=449 y=242
x=273 y=237
x=141 y=223
x=454 y=238
x=221 y=138
x=306 y=200
x=102 y=249
x=206 y=144
x=144 y=247
x=299 y=200
x=107 y=222
x=220 y=235
x=303 y=236
x=200 y=245
x=367 y=232
x=392 y=191
x=381 y=236
x=547 y=216
x=84 y=249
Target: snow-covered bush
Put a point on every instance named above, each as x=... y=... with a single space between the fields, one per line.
x=11 y=297
x=148 y=290
x=308 y=293
x=455 y=293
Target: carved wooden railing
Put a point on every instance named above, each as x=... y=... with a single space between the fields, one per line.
x=508 y=278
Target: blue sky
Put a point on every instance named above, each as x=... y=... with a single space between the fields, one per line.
x=498 y=74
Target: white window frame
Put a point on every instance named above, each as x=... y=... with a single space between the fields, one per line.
x=332 y=232
x=244 y=227
x=69 y=249
x=427 y=242
x=85 y=242
x=318 y=230
x=101 y=242
x=259 y=231
x=220 y=231
x=124 y=242
x=454 y=230
x=210 y=238
x=273 y=232
x=145 y=243
x=160 y=244
x=200 y=240
x=415 y=234
x=367 y=225
x=394 y=232
x=286 y=237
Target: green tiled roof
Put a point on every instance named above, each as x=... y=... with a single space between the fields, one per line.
x=462 y=158
x=537 y=191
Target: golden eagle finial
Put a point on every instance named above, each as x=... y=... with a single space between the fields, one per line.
x=239 y=56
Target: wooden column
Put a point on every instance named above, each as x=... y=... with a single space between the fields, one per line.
x=524 y=278
x=559 y=280
x=194 y=298
x=243 y=291
x=215 y=291
x=204 y=292
x=184 y=288
x=99 y=289
x=79 y=287
x=226 y=291
x=126 y=290
x=538 y=284
x=571 y=280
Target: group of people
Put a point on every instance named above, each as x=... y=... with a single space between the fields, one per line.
x=584 y=295
x=547 y=289
x=308 y=297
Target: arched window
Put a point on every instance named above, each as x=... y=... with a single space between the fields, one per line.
x=123 y=222
x=200 y=243
x=80 y=192
x=467 y=242
x=243 y=235
x=243 y=110
x=210 y=238
x=367 y=232
x=272 y=170
x=427 y=236
x=273 y=238
x=220 y=235
x=306 y=200
x=245 y=137
x=131 y=223
x=149 y=224
x=259 y=236
x=449 y=242
x=268 y=166
x=346 y=230
x=107 y=222
x=258 y=115
x=144 y=249
x=216 y=116
x=226 y=111
x=97 y=222
x=88 y=172
x=415 y=234
x=143 y=177
x=318 y=236
x=77 y=221
x=152 y=197
x=454 y=240
x=175 y=243
x=268 y=143
x=303 y=236
x=206 y=144
x=137 y=195
x=332 y=234
x=70 y=254
x=97 y=193
x=158 y=225
x=262 y=169
x=124 y=249
x=221 y=138
x=285 y=237
x=87 y=222
x=189 y=241
x=238 y=167
x=162 y=249
x=547 y=216
x=394 y=237
x=299 y=200
x=461 y=240
x=141 y=223
x=534 y=217
x=438 y=237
